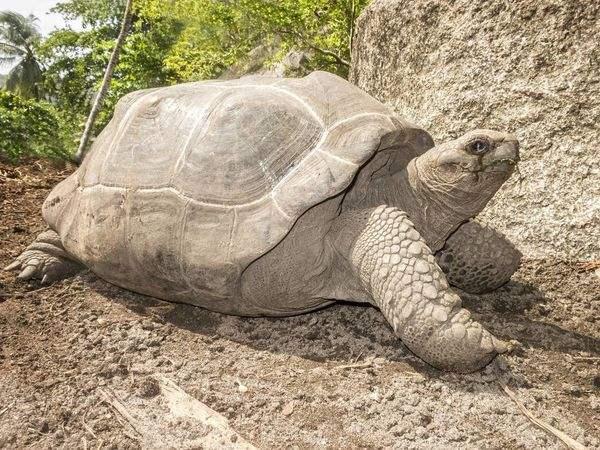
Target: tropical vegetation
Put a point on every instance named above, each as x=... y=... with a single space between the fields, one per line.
x=168 y=42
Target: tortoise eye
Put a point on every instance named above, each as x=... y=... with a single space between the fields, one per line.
x=479 y=146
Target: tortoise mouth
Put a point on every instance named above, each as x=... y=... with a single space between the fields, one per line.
x=497 y=157
x=485 y=171
x=503 y=165
x=500 y=165
x=502 y=159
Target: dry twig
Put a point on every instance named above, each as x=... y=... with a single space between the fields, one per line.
x=89 y=430
x=7 y=408
x=586 y=358
x=363 y=365
x=589 y=265
x=567 y=440
x=113 y=401
x=155 y=433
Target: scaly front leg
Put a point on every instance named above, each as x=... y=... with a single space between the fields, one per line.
x=396 y=267
x=478 y=259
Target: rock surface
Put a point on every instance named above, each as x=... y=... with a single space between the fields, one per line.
x=531 y=67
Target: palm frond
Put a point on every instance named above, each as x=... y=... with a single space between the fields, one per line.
x=25 y=78
x=19 y=30
x=7 y=61
x=18 y=36
x=7 y=48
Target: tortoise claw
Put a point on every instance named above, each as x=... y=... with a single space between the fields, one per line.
x=13 y=266
x=45 y=259
x=28 y=272
x=45 y=266
x=54 y=273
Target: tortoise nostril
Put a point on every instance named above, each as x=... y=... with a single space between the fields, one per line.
x=517 y=148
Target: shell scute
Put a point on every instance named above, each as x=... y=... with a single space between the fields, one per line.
x=152 y=134
x=155 y=255
x=96 y=233
x=246 y=146
x=332 y=98
x=350 y=138
x=204 y=243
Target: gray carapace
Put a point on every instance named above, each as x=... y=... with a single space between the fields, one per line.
x=270 y=196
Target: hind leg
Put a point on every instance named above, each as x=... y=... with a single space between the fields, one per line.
x=478 y=259
x=46 y=259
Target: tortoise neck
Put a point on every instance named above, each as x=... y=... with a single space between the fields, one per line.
x=431 y=211
x=435 y=212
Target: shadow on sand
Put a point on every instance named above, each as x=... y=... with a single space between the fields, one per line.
x=344 y=332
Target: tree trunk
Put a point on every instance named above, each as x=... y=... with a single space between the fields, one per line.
x=114 y=59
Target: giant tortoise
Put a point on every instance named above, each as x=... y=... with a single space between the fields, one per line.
x=271 y=197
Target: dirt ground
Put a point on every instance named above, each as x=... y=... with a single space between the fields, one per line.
x=282 y=382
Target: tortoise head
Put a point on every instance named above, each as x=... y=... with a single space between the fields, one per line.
x=455 y=180
x=465 y=173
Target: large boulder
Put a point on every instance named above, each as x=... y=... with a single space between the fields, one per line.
x=531 y=67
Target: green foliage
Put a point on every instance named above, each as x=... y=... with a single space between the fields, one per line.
x=219 y=34
x=30 y=128
x=141 y=64
x=206 y=48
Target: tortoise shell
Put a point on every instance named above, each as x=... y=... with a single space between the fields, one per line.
x=188 y=184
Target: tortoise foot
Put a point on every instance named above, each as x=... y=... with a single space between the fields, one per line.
x=45 y=259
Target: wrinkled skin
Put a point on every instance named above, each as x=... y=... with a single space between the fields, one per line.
x=477 y=258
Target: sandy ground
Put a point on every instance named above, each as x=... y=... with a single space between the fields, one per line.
x=282 y=382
